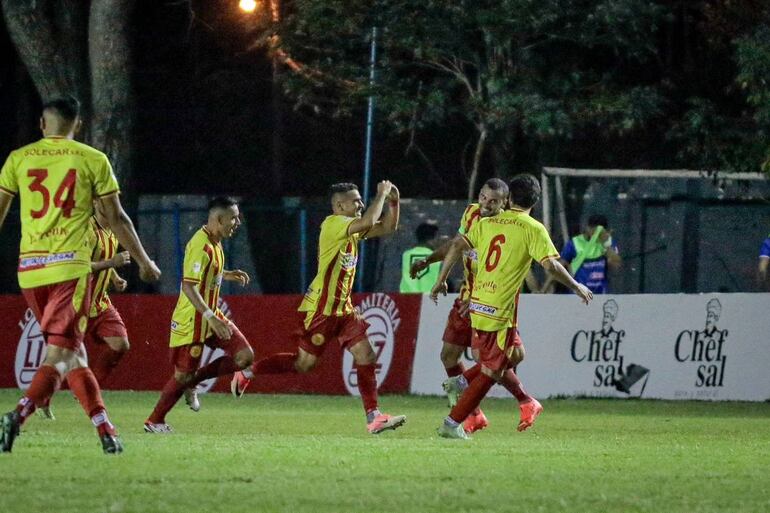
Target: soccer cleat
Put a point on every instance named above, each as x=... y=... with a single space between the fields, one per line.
x=45 y=412
x=454 y=389
x=191 y=398
x=161 y=428
x=475 y=422
x=529 y=412
x=111 y=444
x=457 y=432
x=239 y=384
x=383 y=422
x=10 y=425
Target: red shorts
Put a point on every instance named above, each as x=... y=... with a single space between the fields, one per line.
x=107 y=324
x=458 y=329
x=187 y=358
x=496 y=347
x=61 y=309
x=348 y=330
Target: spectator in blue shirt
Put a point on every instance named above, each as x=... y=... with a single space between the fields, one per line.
x=591 y=254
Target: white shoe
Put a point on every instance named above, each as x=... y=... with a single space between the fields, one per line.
x=162 y=428
x=191 y=398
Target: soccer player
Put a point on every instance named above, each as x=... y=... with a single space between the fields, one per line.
x=505 y=244
x=328 y=310
x=105 y=326
x=197 y=321
x=57 y=179
x=458 y=332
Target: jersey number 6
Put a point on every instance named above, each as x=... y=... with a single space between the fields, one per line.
x=64 y=198
x=494 y=253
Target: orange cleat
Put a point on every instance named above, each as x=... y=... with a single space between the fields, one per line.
x=239 y=384
x=475 y=422
x=529 y=412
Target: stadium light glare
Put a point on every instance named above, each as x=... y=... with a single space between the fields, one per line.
x=248 y=5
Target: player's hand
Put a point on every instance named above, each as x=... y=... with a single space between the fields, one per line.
x=149 y=272
x=384 y=188
x=120 y=259
x=120 y=284
x=394 y=194
x=239 y=276
x=584 y=293
x=418 y=266
x=221 y=328
x=439 y=288
x=464 y=307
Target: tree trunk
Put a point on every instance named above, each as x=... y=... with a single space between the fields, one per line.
x=477 y=156
x=110 y=58
x=49 y=38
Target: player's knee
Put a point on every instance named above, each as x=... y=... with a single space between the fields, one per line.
x=122 y=346
x=305 y=365
x=450 y=355
x=183 y=378
x=244 y=358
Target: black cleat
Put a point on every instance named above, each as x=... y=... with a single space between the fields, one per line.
x=9 y=430
x=111 y=444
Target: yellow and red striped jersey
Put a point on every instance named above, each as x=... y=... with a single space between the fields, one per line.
x=470 y=217
x=56 y=180
x=329 y=293
x=106 y=247
x=204 y=264
x=506 y=244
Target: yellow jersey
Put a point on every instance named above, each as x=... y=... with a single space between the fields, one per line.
x=204 y=264
x=506 y=244
x=56 y=180
x=470 y=217
x=329 y=292
x=106 y=247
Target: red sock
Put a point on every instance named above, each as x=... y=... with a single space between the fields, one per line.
x=512 y=383
x=279 y=363
x=44 y=383
x=456 y=370
x=85 y=387
x=170 y=394
x=220 y=367
x=471 y=397
x=367 y=385
x=472 y=373
x=104 y=364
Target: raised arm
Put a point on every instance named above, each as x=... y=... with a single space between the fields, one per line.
x=367 y=221
x=555 y=269
x=124 y=230
x=455 y=252
x=389 y=222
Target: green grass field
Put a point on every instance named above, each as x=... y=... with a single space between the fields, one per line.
x=311 y=453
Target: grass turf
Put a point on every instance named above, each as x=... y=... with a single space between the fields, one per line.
x=311 y=453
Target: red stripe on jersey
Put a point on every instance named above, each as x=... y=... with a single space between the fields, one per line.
x=340 y=282
x=516 y=309
x=325 y=293
x=474 y=216
x=198 y=320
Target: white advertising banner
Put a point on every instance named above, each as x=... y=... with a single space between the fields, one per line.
x=667 y=346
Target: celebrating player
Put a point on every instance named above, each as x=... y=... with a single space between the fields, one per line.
x=57 y=180
x=458 y=332
x=506 y=245
x=329 y=313
x=197 y=321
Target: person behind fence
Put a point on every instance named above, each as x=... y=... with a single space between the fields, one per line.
x=427 y=238
x=764 y=260
x=591 y=254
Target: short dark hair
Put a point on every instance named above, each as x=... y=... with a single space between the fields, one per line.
x=67 y=107
x=426 y=232
x=497 y=184
x=342 y=187
x=525 y=190
x=222 y=202
x=598 y=220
